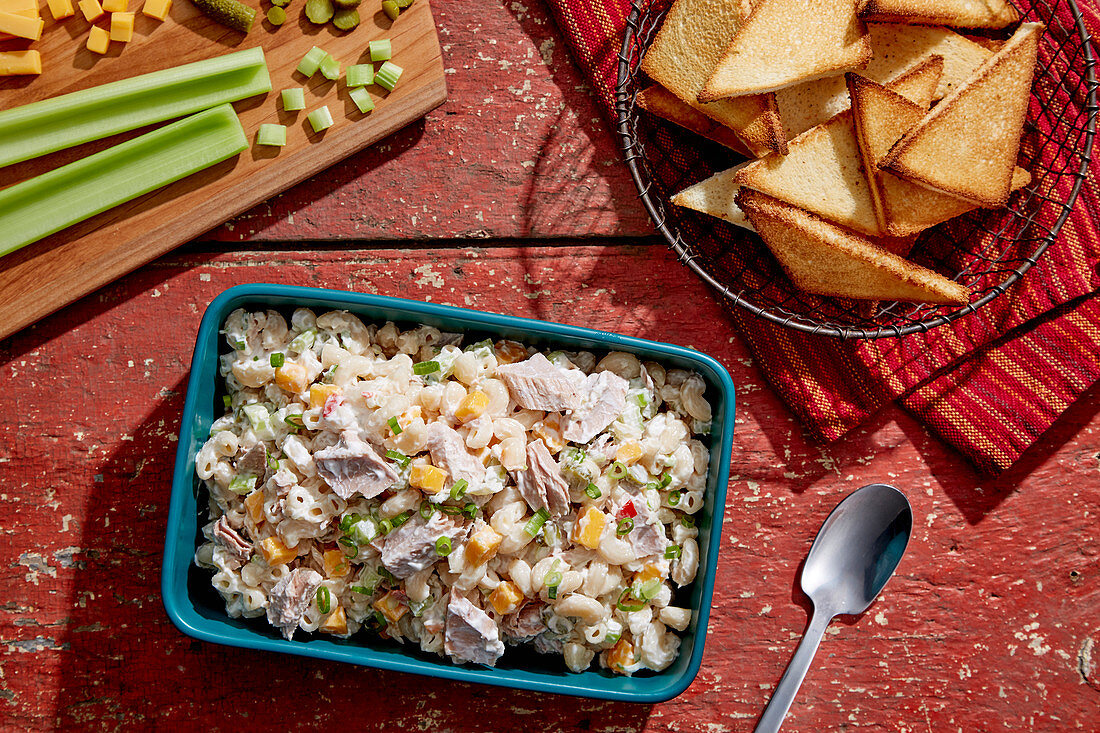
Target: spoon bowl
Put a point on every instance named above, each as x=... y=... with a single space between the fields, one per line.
x=856 y=551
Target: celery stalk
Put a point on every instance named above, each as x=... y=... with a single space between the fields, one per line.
x=52 y=201
x=91 y=114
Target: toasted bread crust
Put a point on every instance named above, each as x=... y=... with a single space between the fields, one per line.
x=688 y=44
x=967 y=145
x=759 y=57
x=825 y=259
x=659 y=101
x=956 y=13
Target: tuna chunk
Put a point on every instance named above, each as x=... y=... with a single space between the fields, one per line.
x=536 y=384
x=449 y=452
x=289 y=599
x=525 y=623
x=233 y=543
x=351 y=466
x=542 y=485
x=602 y=399
x=648 y=536
x=411 y=547
x=471 y=636
x=254 y=463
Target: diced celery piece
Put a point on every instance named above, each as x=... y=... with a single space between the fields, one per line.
x=242 y=484
x=269 y=134
x=311 y=62
x=387 y=75
x=380 y=50
x=359 y=75
x=260 y=419
x=91 y=114
x=362 y=99
x=320 y=118
x=303 y=341
x=330 y=68
x=294 y=99
x=52 y=201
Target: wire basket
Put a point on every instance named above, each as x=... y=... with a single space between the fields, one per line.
x=986 y=250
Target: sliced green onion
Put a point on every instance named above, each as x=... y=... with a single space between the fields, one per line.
x=242 y=484
x=365 y=530
x=305 y=339
x=609 y=639
x=395 y=427
x=275 y=136
x=97 y=112
x=673 y=498
x=426 y=510
x=399 y=457
x=648 y=590
x=666 y=480
x=624 y=526
x=359 y=75
x=320 y=119
x=642 y=401
x=688 y=522
x=387 y=75
x=618 y=470
x=324 y=599
x=295 y=421
x=401 y=518
x=379 y=619
x=362 y=99
x=443 y=546
x=52 y=201
x=330 y=68
x=425 y=367
x=624 y=601
x=593 y=491
x=277 y=359
x=470 y=510
x=672 y=552
x=534 y=524
x=368 y=581
x=240 y=345
x=387 y=574
x=362 y=589
x=311 y=62
x=272 y=463
x=553 y=579
x=349 y=542
x=452 y=510
x=348 y=520
x=552 y=592
x=385 y=526
x=459 y=489
x=380 y=50
x=227 y=401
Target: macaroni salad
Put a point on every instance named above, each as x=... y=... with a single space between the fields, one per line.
x=456 y=497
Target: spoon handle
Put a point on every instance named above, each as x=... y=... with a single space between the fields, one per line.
x=796 y=672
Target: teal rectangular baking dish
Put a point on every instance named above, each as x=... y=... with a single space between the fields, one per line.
x=197 y=610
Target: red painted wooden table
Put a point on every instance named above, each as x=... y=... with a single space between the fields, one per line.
x=510 y=198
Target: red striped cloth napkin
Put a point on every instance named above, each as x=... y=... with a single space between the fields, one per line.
x=990 y=384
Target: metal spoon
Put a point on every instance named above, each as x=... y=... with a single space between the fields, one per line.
x=854 y=554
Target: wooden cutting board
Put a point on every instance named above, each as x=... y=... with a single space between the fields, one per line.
x=55 y=271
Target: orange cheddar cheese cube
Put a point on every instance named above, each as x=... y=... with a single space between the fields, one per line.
x=427 y=478
x=589 y=528
x=98 y=40
x=156 y=8
x=60 y=8
x=472 y=406
x=336 y=623
x=20 y=62
x=319 y=394
x=254 y=503
x=336 y=564
x=651 y=571
x=91 y=9
x=629 y=453
x=506 y=598
x=392 y=606
x=115 y=6
x=122 y=27
x=290 y=377
x=621 y=656
x=21 y=26
x=482 y=547
x=275 y=552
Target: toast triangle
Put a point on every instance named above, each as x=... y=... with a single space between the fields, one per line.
x=681 y=57
x=784 y=42
x=956 y=13
x=716 y=196
x=967 y=145
x=825 y=259
x=897 y=48
x=822 y=171
x=659 y=101
x=882 y=117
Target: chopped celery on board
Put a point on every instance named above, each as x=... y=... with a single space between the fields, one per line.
x=311 y=62
x=380 y=50
x=387 y=75
x=330 y=68
x=294 y=99
x=359 y=75
x=64 y=196
x=91 y=114
x=362 y=99
x=320 y=119
x=270 y=134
